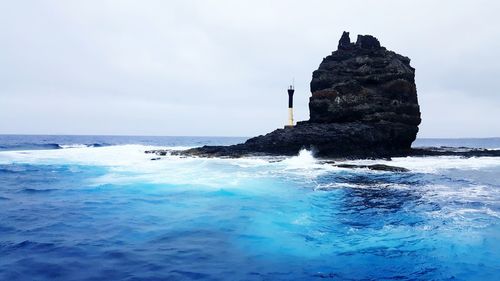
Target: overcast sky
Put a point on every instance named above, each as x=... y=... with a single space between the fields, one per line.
x=221 y=68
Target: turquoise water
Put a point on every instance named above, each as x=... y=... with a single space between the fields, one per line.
x=96 y=209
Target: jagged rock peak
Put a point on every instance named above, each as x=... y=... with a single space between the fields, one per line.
x=345 y=41
x=362 y=42
x=364 y=82
x=367 y=42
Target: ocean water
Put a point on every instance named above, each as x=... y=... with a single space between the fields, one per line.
x=98 y=208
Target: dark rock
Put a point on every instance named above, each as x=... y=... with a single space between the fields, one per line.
x=345 y=42
x=159 y=152
x=367 y=84
x=240 y=150
x=367 y=42
x=375 y=167
x=351 y=140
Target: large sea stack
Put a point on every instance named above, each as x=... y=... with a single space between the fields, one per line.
x=363 y=104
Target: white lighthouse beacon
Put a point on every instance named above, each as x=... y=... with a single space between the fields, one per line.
x=291 y=90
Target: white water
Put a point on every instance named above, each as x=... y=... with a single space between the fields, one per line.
x=129 y=163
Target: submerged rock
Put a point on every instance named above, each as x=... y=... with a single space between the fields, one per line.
x=363 y=104
x=375 y=167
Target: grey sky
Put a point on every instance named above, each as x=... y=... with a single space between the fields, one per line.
x=222 y=67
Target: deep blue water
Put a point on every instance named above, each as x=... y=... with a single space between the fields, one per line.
x=97 y=208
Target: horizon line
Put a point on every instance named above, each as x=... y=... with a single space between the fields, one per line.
x=199 y=136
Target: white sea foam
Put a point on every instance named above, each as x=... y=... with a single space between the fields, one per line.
x=335 y=185
x=129 y=163
x=435 y=164
x=99 y=156
x=66 y=146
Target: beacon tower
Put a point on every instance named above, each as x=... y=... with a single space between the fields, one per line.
x=291 y=90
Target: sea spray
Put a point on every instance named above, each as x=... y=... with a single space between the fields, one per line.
x=304 y=160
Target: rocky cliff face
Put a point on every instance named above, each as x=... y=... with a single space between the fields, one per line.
x=363 y=104
x=364 y=82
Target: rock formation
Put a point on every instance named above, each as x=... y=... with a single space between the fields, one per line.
x=363 y=104
x=364 y=82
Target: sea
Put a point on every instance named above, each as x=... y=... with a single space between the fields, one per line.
x=99 y=208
